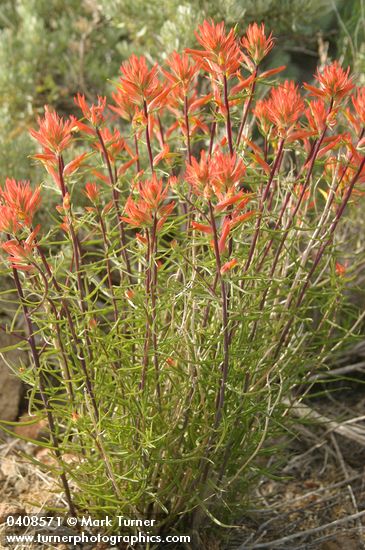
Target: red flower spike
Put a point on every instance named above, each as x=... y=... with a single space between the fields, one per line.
x=21 y=199
x=95 y=113
x=283 y=108
x=165 y=154
x=55 y=133
x=92 y=191
x=198 y=175
x=221 y=54
x=65 y=225
x=334 y=83
x=272 y=72
x=114 y=143
x=316 y=114
x=84 y=128
x=124 y=167
x=182 y=72
x=237 y=219
x=100 y=176
x=66 y=203
x=358 y=102
x=8 y=220
x=226 y=228
x=227 y=173
x=149 y=207
x=260 y=111
x=256 y=43
x=21 y=253
x=124 y=107
x=243 y=85
x=129 y=294
x=228 y=201
x=138 y=82
x=141 y=238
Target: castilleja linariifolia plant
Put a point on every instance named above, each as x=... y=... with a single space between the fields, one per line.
x=175 y=301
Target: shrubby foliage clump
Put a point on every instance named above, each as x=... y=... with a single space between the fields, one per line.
x=169 y=313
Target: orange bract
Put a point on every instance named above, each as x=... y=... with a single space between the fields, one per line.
x=334 y=83
x=54 y=133
x=222 y=55
x=138 y=82
x=21 y=199
x=21 y=253
x=125 y=106
x=8 y=220
x=94 y=113
x=227 y=173
x=92 y=191
x=256 y=43
x=149 y=208
x=198 y=175
x=283 y=108
x=317 y=115
x=359 y=104
x=182 y=71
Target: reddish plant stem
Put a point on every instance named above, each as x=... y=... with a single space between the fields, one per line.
x=225 y=319
x=148 y=324
x=292 y=217
x=319 y=255
x=153 y=306
x=160 y=127
x=75 y=338
x=42 y=390
x=311 y=158
x=213 y=130
x=138 y=165
x=206 y=466
x=228 y=115
x=282 y=211
x=148 y=140
x=77 y=258
x=275 y=167
x=108 y=266
x=187 y=127
x=112 y=181
x=63 y=353
x=151 y=329
x=247 y=109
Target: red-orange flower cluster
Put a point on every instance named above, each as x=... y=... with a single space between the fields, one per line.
x=150 y=207
x=21 y=254
x=283 y=108
x=55 y=133
x=21 y=199
x=334 y=83
x=183 y=71
x=221 y=55
x=256 y=43
x=141 y=84
x=95 y=113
